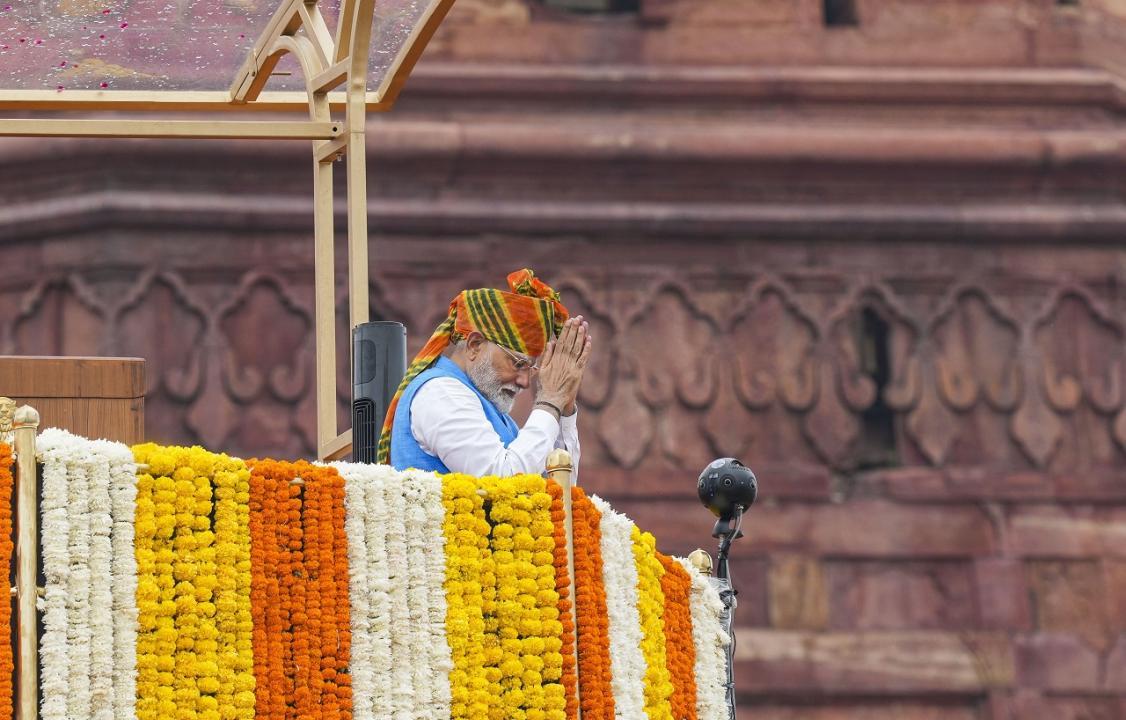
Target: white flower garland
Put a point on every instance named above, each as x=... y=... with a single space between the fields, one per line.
x=360 y=664
x=619 y=572
x=100 y=568
x=403 y=690
x=56 y=446
x=397 y=571
x=372 y=680
x=711 y=642
x=426 y=548
x=123 y=497
x=78 y=632
x=379 y=588
x=88 y=651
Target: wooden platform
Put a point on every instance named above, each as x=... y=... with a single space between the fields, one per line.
x=94 y=397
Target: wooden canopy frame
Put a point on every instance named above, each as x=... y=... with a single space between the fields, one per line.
x=335 y=68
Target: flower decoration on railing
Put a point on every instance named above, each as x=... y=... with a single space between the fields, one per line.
x=186 y=584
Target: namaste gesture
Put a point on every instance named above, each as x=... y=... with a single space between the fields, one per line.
x=562 y=365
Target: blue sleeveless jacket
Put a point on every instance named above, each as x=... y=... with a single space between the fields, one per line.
x=405 y=450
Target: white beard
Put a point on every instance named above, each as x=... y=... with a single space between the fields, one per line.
x=489 y=384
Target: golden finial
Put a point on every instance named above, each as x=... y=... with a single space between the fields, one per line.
x=701 y=561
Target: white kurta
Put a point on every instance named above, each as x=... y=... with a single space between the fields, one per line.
x=447 y=421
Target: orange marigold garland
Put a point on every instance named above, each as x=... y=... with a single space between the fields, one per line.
x=590 y=604
x=310 y=702
x=300 y=581
x=6 y=659
x=271 y=580
x=680 y=647
x=339 y=674
x=295 y=623
x=263 y=569
x=326 y=554
x=276 y=569
x=569 y=678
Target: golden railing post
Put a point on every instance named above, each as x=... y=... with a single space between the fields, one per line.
x=25 y=425
x=559 y=469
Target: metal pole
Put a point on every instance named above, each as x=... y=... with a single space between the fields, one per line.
x=727 y=531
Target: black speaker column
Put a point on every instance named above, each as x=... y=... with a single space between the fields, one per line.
x=379 y=361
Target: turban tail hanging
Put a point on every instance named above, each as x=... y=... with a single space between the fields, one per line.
x=522 y=320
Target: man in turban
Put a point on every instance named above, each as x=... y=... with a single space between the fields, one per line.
x=450 y=413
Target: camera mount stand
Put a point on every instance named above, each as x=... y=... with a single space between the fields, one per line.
x=728 y=530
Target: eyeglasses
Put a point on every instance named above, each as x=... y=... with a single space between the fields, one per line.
x=519 y=363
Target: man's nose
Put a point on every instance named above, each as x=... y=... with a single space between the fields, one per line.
x=523 y=380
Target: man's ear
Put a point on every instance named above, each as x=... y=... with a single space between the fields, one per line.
x=474 y=344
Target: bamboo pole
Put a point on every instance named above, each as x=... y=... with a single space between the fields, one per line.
x=24 y=426
x=559 y=469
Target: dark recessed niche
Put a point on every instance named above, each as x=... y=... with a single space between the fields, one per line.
x=840 y=13
x=877 y=442
x=596 y=6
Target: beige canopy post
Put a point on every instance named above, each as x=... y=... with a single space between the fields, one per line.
x=345 y=57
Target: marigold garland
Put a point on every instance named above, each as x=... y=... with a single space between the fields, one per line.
x=195 y=649
x=155 y=526
x=235 y=646
x=590 y=602
x=627 y=637
x=563 y=587
x=310 y=683
x=263 y=569
x=299 y=537
x=474 y=679
x=253 y=584
x=680 y=649
x=651 y=606
x=527 y=604
x=710 y=640
x=337 y=671
x=7 y=662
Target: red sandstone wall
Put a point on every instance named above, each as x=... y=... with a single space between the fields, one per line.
x=737 y=196
x=1010 y=33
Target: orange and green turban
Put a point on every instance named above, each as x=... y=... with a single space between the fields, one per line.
x=522 y=320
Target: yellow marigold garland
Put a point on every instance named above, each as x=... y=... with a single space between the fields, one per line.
x=651 y=605
x=232 y=598
x=474 y=677
x=155 y=525
x=527 y=606
x=199 y=649
x=194 y=654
